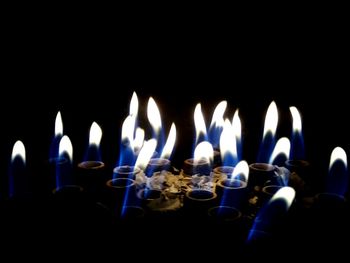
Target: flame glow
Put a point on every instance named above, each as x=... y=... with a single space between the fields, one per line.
x=134 y=105
x=66 y=147
x=204 y=150
x=139 y=139
x=282 y=147
x=242 y=168
x=58 y=125
x=237 y=126
x=218 y=115
x=146 y=153
x=285 y=193
x=18 y=151
x=338 y=154
x=95 y=134
x=271 y=119
x=169 y=145
x=153 y=115
x=128 y=129
x=199 y=122
x=228 y=144
x=296 y=119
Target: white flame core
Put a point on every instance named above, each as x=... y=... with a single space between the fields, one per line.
x=199 y=122
x=134 y=105
x=242 y=168
x=139 y=139
x=338 y=153
x=58 y=125
x=153 y=115
x=146 y=153
x=169 y=145
x=128 y=129
x=204 y=150
x=95 y=134
x=271 y=119
x=282 y=147
x=237 y=126
x=228 y=144
x=66 y=147
x=286 y=193
x=218 y=115
x=18 y=151
x=296 y=119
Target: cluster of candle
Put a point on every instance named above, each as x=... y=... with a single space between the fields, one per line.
x=215 y=183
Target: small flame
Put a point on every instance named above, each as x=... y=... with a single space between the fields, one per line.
x=134 y=105
x=153 y=115
x=286 y=193
x=237 y=126
x=128 y=129
x=18 y=151
x=169 y=145
x=204 y=150
x=338 y=154
x=271 y=119
x=296 y=119
x=95 y=134
x=146 y=153
x=242 y=168
x=139 y=139
x=58 y=125
x=199 y=122
x=282 y=147
x=218 y=115
x=228 y=144
x=66 y=147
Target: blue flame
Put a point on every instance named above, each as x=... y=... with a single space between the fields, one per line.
x=337 y=179
x=229 y=159
x=297 y=150
x=266 y=147
x=234 y=194
x=127 y=155
x=18 y=181
x=64 y=174
x=55 y=147
x=93 y=153
x=214 y=135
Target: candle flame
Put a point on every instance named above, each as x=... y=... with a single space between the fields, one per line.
x=153 y=115
x=282 y=147
x=169 y=145
x=218 y=115
x=296 y=119
x=146 y=153
x=237 y=126
x=128 y=129
x=241 y=169
x=228 y=144
x=95 y=134
x=58 y=125
x=139 y=139
x=18 y=151
x=66 y=147
x=204 y=150
x=338 y=154
x=286 y=193
x=134 y=105
x=271 y=119
x=199 y=122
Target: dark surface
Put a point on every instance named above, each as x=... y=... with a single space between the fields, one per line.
x=89 y=71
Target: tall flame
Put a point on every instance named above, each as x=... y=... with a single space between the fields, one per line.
x=169 y=145
x=153 y=115
x=237 y=126
x=66 y=147
x=128 y=129
x=139 y=139
x=271 y=119
x=95 y=134
x=18 y=151
x=146 y=154
x=297 y=128
x=338 y=154
x=228 y=144
x=199 y=123
x=204 y=150
x=241 y=169
x=282 y=147
x=134 y=105
x=218 y=115
x=58 y=125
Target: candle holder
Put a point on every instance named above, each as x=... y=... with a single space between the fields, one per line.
x=198 y=201
x=92 y=177
x=192 y=167
x=232 y=192
x=157 y=165
x=227 y=214
x=126 y=171
x=259 y=174
x=222 y=172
